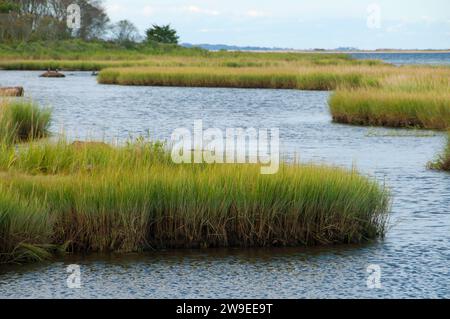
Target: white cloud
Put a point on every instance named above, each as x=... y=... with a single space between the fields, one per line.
x=206 y=30
x=256 y=13
x=148 y=11
x=195 y=9
x=220 y=30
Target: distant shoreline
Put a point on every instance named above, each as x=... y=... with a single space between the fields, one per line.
x=388 y=51
x=342 y=52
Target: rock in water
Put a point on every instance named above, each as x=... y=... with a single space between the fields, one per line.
x=52 y=74
x=11 y=91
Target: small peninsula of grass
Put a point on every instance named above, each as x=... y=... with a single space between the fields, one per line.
x=306 y=78
x=410 y=97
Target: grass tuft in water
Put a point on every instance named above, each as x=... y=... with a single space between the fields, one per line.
x=443 y=160
x=22 y=120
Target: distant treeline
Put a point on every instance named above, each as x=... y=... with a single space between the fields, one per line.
x=32 y=20
x=26 y=21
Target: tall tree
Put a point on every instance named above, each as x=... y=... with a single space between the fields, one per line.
x=7 y=6
x=46 y=19
x=125 y=32
x=162 y=34
x=94 y=20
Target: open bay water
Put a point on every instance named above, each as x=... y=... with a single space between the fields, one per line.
x=414 y=258
x=404 y=58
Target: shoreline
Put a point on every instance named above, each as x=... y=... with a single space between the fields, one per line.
x=340 y=52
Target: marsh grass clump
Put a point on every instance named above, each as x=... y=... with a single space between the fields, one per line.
x=443 y=160
x=25 y=227
x=63 y=157
x=430 y=110
x=133 y=198
x=406 y=97
x=22 y=120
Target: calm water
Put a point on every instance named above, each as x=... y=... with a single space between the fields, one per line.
x=414 y=258
x=407 y=58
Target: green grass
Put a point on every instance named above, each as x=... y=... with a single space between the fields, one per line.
x=397 y=109
x=101 y=198
x=443 y=160
x=25 y=228
x=406 y=97
x=95 y=55
x=65 y=65
x=275 y=78
x=76 y=49
x=367 y=92
x=22 y=120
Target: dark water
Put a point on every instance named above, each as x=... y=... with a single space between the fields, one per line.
x=442 y=58
x=414 y=257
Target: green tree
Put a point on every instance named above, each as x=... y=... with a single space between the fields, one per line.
x=125 y=32
x=34 y=20
x=162 y=34
x=8 y=6
x=94 y=19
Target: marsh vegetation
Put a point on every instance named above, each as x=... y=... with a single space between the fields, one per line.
x=94 y=197
x=22 y=120
x=443 y=160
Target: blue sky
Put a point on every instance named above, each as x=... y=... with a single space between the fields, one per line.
x=299 y=24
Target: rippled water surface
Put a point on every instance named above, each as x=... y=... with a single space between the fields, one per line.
x=433 y=58
x=414 y=257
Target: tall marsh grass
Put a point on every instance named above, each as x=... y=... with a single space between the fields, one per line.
x=443 y=160
x=406 y=97
x=394 y=109
x=104 y=198
x=306 y=78
x=25 y=227
x=369 y=92
x=22 y=120
x=366 y=94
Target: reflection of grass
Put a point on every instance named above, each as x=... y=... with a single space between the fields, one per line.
x=131 y=198
x=372 y=132
x=22 y=120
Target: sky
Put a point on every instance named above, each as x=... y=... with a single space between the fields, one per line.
x=297 y=24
